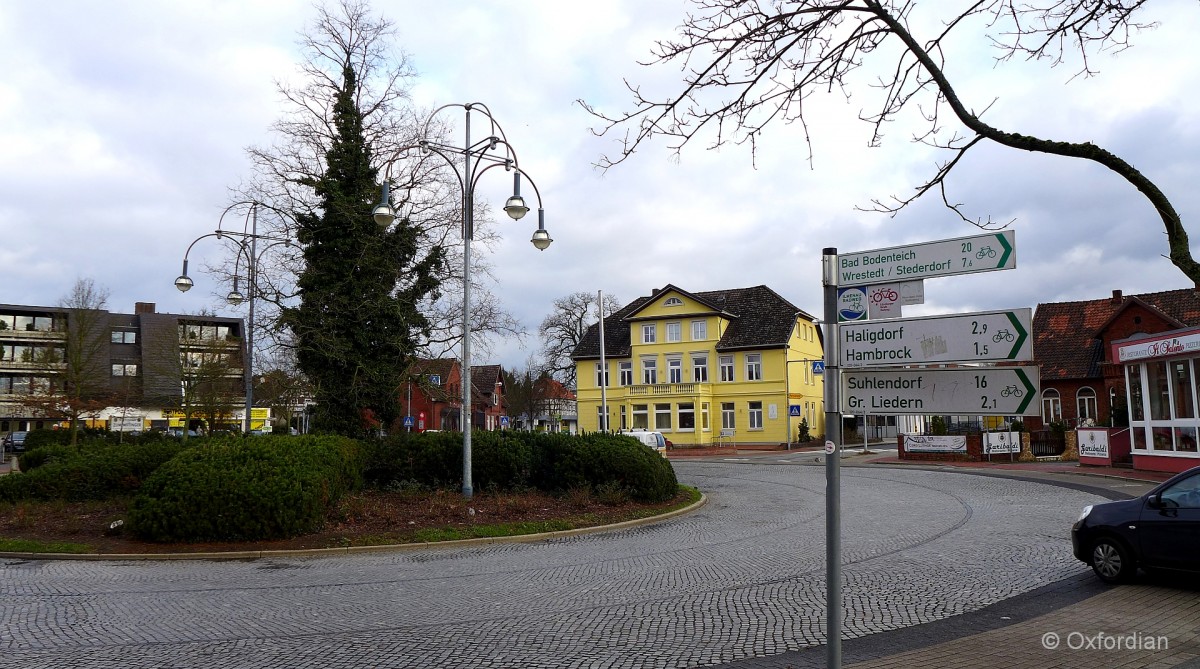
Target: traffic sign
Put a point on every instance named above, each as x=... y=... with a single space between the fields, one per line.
x=985 y=336
x=794 y=410
x=408 y=421
x=964 y=255
x=975 y=391
x=504 y=421
x=818 y=367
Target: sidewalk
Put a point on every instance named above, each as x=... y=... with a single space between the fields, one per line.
x=889 y=458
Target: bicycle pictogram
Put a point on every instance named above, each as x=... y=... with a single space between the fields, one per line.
x=1003 y=335
x=884 y=295
x=1011 y=391
x=986 y=252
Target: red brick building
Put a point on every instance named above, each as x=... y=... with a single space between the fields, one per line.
x=1073 y=344
x=433 y=397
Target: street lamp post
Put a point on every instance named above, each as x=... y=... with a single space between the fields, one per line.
x=247 y=241
x=492 y=151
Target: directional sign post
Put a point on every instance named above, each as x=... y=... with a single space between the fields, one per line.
x=986 y=336
x=978 y=391
x=964 y=255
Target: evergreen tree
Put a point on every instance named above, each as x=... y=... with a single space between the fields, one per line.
x=358 y=324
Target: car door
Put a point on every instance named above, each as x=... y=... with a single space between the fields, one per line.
x=1170 y=526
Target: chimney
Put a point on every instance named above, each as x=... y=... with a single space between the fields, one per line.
x=1116 y=298
x=143 y=307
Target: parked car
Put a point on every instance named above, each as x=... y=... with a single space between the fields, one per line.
x=1159 y=530
x=654 y=440
x=15 y=442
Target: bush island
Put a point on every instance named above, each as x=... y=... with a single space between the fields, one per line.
x=509 y=460
x=236 y=488
x=93 y=471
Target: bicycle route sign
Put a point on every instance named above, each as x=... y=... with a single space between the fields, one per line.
x=979 y=391
x=986 y=336
x=947 y=257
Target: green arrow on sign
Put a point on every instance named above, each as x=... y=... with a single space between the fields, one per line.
x=1022 y=335
x=1030 y=391
x=1007 y=250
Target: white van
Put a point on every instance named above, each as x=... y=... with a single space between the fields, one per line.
x=654 y=440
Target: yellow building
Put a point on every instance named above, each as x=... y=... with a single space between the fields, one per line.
x=717 y=367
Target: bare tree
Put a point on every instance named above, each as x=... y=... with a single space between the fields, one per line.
x=748 y=63
x=346 y=33
x=525 y=391
x=73 y=377
x=564 y=328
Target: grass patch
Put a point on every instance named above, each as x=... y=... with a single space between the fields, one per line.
x=30 y=546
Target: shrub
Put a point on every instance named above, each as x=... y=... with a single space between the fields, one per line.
x=512 y=460
x=93 y=471
x=246 y=489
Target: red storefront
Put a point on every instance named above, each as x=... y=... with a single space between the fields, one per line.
x=1161 y=373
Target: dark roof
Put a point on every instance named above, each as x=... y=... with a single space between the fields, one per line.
x=1068 y=340
x=484 y=379
x=758 y=318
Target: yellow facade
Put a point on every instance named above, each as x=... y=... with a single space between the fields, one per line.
x=675 y=380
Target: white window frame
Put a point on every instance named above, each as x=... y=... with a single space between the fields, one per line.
x=625 y=372
x=699 y=330
x=649 y=371
x=686 y=409
x=602 y=375
x=726 y=365
x=728 y=416
x=674 y=332
x=1087 y=406
x=699 y=368
x=674 y=370
x=1051 y=405
x=754 y=412
x=704 y=417
x=640 y=411
x=754 y=367
x=662 y=416
x=649 y=333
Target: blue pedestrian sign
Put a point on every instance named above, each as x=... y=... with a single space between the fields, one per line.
x=794 y=410
x=818 y=367
x=504 y=421
x=408 y=421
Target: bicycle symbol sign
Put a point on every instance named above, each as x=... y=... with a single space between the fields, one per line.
x=881 y=295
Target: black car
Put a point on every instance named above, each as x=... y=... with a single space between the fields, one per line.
x=1159 y=530
x=15 y=442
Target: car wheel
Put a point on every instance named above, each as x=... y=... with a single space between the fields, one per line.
x=1112 y=561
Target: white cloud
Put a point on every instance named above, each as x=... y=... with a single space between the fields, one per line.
x=124 y=125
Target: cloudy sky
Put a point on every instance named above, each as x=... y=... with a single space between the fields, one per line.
x=123 y=125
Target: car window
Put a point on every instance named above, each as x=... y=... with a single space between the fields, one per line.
x=1183 y=495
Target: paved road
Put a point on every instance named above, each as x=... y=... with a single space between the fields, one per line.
x=741 y=578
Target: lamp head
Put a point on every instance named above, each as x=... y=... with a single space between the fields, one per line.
x=541 y=239
x=235 y=297
x=183 y=283
x=515 y=207
x=383 y=214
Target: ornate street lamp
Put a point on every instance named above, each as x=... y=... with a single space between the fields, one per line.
x=493 y=151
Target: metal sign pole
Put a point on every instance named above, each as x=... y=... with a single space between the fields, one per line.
x=833 y=483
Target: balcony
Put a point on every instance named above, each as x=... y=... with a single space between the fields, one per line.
x=664 y=389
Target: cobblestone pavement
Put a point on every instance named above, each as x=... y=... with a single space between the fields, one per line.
x=740 y=580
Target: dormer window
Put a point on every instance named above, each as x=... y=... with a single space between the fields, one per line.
x=672 y=302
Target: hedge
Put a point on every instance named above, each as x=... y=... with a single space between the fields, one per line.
x=92 y=471
x=237 y=488
x=507 y=460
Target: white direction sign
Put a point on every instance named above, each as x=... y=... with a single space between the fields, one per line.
x=986 y=336
x=964 y=255
x=972 y=391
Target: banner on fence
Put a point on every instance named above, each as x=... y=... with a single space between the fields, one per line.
x=1093 y=443
x=995 y=443
x=926 y=443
